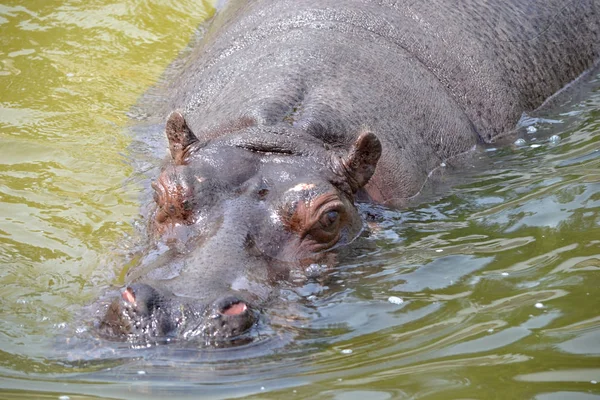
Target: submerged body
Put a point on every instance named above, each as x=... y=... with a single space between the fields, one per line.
x=292 y=110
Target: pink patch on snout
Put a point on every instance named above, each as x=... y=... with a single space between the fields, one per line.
x=235 y=309
x=128 y=295
x=302 y=186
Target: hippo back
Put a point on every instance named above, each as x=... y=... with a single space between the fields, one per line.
x=429 y=78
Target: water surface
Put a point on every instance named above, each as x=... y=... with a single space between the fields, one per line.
x=490 y=291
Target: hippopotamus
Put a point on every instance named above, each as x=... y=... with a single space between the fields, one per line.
x=288 y=113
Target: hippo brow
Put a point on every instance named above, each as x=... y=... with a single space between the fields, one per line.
x=271 y=145
x=272 y=149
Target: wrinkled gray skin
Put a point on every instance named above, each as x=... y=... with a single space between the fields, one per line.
x=291 y=110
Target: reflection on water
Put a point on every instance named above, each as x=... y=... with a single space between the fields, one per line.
x=499 y=278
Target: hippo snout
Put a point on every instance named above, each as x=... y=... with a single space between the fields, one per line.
x=139 y=311
x=143 y=313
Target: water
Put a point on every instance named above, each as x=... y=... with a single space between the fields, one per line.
x=498 y=278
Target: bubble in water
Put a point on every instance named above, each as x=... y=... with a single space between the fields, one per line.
x=314 y=271
x=520 y=142
x=554 y=139
x=395 y=300
x=531 y=129
x=347 y=351
x=535 y=146
x=539 y=305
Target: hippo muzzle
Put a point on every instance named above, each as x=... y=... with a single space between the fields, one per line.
x=143 y=313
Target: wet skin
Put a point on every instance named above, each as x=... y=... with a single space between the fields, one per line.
x=291 y=111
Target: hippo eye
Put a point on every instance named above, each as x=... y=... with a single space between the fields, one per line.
x=262 y=193
x=329 y=218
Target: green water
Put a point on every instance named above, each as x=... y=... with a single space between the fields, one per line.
x=500 y=278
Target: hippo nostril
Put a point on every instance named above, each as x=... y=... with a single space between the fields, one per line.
x=128 y=295
x=229 y=317
x=234 y=309
x=231 y=307
x=144 y=298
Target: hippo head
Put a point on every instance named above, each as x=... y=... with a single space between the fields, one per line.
x=234 y=215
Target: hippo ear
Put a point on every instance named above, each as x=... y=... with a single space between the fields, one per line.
x=180 y=136
x=361 y=160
